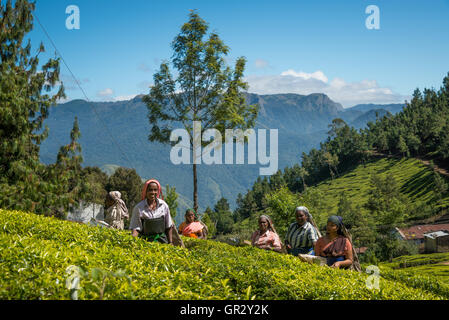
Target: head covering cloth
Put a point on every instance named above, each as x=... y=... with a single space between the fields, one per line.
x=304 y=209
x=194 y=212
x=145 y=187
x=309 y=217
x=337 y=220
x=116 y=196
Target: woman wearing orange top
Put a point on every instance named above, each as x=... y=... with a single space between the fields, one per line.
x=191 y=227
x=266 y=237
x=334 y=246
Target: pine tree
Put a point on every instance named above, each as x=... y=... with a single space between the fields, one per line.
x=67 y=170
x=303 y=173
x=402 y=147
x=26 y=94
x=223 y=216
x=96 y=181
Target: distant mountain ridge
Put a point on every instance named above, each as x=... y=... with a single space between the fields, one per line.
x=368 y=116
x=116 y=133
x=393 y=108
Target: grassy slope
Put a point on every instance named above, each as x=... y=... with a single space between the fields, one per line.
x=415 y=181
x=435 y=264
x=36 y=251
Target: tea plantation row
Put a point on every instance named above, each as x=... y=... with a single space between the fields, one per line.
x=46 y=258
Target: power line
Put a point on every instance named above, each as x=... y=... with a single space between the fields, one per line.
x=82 y=90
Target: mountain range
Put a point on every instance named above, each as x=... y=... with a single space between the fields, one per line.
x=116 y=134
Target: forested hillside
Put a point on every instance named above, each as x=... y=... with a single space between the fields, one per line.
x=116 y=134
x=347 y=176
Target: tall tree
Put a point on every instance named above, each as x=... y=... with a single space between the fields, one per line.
x=67 y=170
x=222 y=216
x=96 y=181
x=129 y=183
x=402 y=146
x=205 y=90
x=332 y=161
x=303 y=174
x=26 y=94
x=385 y=201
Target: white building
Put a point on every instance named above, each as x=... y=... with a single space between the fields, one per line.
x=85 y=212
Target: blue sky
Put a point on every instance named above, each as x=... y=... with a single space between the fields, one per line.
x=291 y=46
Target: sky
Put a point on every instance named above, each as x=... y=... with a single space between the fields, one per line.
x=341 y=48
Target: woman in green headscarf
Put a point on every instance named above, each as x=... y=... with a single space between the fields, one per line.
x=192 y=227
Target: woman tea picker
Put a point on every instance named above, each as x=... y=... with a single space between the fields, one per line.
x=266 y=237
x=335 y=246
x=116 y=210
x=301 y=235
x=151 y=217
x=192 y=227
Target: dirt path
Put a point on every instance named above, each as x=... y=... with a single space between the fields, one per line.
x=440 y=170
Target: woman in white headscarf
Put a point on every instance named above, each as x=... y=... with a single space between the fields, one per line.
x=116 y=211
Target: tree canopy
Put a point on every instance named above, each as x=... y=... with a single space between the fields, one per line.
x=205 y=89
x=26 y=94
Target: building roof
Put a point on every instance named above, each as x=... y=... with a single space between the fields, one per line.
x=437 y=234
x=417 y=232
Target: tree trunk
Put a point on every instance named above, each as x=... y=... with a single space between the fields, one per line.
x=195 y=189
x=303 y=183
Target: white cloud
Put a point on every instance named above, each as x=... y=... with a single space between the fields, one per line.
x=105 y=93
x=260 y=63
x=346 y=93
x=124 y=98
x=318 y=75
x=63 y=100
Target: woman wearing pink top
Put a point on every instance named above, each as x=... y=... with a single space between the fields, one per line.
x=266 y=237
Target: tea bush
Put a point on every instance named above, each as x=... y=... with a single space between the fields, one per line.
x=46 y=258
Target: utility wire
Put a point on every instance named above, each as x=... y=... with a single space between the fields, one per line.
x=84 y=93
